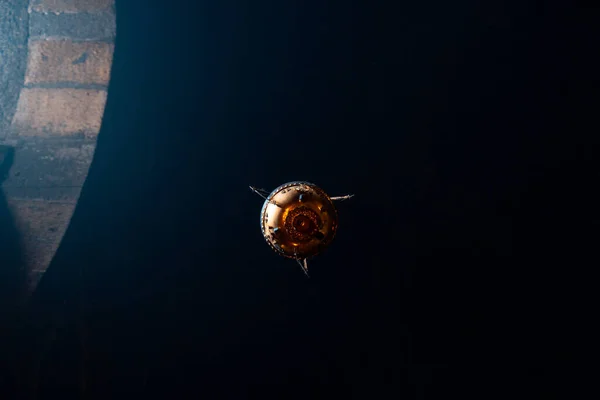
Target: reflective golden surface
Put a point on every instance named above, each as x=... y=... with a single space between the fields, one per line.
x=298 y=220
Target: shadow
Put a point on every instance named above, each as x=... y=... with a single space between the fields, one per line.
x=12 y=271
x=13 y=276
x=163 y=283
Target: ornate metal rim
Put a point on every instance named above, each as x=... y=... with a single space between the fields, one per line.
x=279 y=189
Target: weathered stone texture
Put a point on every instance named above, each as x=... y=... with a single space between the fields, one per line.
x=80 y=26
x=70 y=6
x=56 y=61
x=59 y=112
x=42 y=226
x=47 y=164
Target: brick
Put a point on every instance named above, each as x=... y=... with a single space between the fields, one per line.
x=54 y=61
x=68 y=194
x=59 y=112
x=38 y=255
x=83 y=26
x=41 y=226
x=48 y=164
x=70 y=6
x=41 y=221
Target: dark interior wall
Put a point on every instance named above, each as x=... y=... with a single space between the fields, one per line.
x=431 y=114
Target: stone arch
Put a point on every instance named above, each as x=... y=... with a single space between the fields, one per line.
x=56 y=120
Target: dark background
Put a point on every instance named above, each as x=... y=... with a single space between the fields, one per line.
x=447 y=121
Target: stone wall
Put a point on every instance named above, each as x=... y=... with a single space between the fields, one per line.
x=57 y=119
